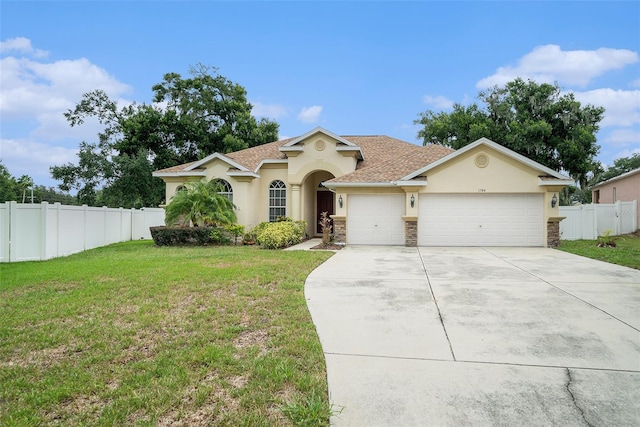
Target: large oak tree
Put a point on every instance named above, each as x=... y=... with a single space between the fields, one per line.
x=535 y=120
x=190 y=118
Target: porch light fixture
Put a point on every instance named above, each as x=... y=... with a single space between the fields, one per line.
x=413 y=200
x=554 y=201
x=340 y=201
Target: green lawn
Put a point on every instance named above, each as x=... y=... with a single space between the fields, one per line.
x=627 y=251
x=133 y=334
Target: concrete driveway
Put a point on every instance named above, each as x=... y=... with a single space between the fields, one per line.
x=478 y=336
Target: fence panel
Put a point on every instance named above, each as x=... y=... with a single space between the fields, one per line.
x=591 y=221
x=26 y=233
x=628 y=217
x=44 y=231
x=71 y=230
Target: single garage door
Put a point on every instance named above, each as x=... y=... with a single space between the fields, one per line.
x=480 y=220
x=375 y=219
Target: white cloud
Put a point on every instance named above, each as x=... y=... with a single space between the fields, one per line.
x=310 y=114
x=273 y=111
x=622 y=107
x=439 y=102
x=549 y=63
x=29 y=157
x=21 y=45
x=40 y=91
x=623 y=138
x=29 y=88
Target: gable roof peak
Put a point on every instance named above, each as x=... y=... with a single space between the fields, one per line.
x=497 y=147
x=317 y=130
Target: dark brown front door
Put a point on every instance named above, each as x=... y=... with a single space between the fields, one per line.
x=324 y=204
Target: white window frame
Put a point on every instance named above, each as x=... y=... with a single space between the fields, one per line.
x=227 y=189
x=277 y=200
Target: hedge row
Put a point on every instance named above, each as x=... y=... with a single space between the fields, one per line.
x=278 y=235
x=178 y=236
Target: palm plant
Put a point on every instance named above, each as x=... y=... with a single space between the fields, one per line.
x=200 y=204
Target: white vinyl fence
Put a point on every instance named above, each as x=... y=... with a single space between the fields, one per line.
x=591 y=221
x=42 y=231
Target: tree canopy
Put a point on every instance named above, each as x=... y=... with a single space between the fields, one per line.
x=620 y=166
x=190 y=118
x=532 y=119
x=22 y=189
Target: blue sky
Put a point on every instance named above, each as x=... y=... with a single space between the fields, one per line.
x=358 y=67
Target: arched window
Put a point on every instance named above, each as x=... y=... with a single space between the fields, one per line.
x=277 y=200
x=225 y=189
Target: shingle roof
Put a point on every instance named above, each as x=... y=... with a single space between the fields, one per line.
x=251 y=157
x=385 y=158
x=395 y=168
x=178 y=168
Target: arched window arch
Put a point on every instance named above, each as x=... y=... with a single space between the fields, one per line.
x=277 y=200
x=225 y=188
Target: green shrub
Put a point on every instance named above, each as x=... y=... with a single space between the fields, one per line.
x=179 y=236
x=236 y=231
x=278 y=235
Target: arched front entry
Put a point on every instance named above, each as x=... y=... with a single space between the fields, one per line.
x=316 y=199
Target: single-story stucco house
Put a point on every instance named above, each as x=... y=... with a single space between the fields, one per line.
x=383 y=191
x=624 y=188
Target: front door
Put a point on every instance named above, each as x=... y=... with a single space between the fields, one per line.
x=324 y=204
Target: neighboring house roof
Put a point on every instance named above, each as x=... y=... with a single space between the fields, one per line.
x=617 y=178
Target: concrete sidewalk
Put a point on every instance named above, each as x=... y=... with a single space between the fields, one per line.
x=478 y=336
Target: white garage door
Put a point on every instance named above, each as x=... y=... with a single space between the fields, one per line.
x=375 y=219
x=480 y=220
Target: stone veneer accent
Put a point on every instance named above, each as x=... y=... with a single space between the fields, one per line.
x=411 y=233
x=553 y=233
x=340 y=230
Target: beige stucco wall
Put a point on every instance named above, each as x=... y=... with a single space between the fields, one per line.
x=627 y=189
x=319 y=154
x=258 y=198
x=502 y=174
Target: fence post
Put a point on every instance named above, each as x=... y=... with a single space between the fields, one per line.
x=6 y=231
x=106 y=220
x=44 y=211
x=133 y=224
x=13 y=230
x=618 y=220
x=58 y=206
x=85 y=213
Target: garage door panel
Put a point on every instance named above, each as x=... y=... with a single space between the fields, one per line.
x=480 y=220
x=375 y=219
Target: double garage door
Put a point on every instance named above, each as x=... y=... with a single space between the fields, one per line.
x=449 y=220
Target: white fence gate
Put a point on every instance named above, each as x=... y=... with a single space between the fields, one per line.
x=591 y=221
x=42 y=231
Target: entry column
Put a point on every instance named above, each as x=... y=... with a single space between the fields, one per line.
x=295 y=202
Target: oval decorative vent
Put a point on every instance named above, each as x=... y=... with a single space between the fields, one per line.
x=320 y=145
x=481 y=160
